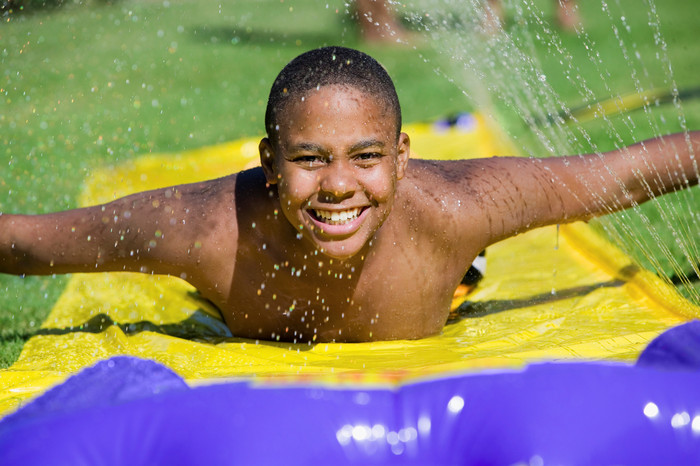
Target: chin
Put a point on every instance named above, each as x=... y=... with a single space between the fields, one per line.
x=339 y=252
x=339 y=257
x=336 y=253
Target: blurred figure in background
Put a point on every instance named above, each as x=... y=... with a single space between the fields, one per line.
x=566 y=14
x=379 y=23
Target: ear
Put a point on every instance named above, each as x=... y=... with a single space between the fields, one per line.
x=403 y=154
x=267 y=160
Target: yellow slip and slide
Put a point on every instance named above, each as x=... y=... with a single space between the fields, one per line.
x=550 y=294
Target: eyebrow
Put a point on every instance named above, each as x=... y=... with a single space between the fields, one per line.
x=364 y=144
x=308 y=147
x=313 y=147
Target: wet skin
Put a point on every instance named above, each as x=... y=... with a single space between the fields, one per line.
x=338 y=236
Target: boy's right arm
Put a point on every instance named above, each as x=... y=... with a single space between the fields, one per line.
x=165 y=231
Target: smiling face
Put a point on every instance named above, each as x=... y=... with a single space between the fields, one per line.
x=336 y=162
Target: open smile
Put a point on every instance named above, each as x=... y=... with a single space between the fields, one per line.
x=336 y=217
x=338 y=222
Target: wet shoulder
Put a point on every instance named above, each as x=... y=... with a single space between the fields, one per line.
x=445 y=199
x=220 y=196
x=467 y=180
x=431 y=192
x=436 y=180
x=221 y=222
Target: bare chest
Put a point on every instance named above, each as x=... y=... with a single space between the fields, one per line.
x=392 y=295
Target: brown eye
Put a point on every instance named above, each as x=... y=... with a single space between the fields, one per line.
x=368 y=158
x=308 y=160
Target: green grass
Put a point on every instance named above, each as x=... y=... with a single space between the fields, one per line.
x=87 y=85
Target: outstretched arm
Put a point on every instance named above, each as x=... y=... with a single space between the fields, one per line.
x=629 y=176
x=166 y=231
x=515 y=194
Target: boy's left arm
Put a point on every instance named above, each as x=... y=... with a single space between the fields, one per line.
x=518 y=194
x=629 y=176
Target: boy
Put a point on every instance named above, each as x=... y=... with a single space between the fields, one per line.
x=339 y=236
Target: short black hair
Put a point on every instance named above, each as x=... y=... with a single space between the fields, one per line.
x=328 y=66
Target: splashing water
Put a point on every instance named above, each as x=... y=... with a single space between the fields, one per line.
x=610 y=99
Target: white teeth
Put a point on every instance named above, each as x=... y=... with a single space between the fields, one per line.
x=337 y=218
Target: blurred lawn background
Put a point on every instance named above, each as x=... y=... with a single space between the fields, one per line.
x=97 y=83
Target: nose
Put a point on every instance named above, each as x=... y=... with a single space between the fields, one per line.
x=336 y=182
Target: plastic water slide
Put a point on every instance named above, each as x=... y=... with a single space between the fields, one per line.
x=540 y=364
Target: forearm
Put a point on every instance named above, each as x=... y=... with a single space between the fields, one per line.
x=15 y=257
x=626 y=177
x=662 y=165
x=31 y=245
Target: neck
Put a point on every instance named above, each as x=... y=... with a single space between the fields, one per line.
x=317 y=261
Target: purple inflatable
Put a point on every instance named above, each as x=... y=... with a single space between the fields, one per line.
x=126 y=411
